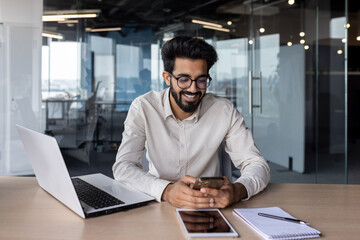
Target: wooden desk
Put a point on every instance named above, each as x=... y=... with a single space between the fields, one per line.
x=28 y=212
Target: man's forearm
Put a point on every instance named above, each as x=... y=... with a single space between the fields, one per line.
x=240 y=192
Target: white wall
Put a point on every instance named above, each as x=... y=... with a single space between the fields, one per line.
x=20 y=79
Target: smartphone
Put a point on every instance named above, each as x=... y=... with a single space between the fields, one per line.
x=205 y=223
x=208 y=182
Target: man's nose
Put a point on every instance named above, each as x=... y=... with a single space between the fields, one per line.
x=193 y=87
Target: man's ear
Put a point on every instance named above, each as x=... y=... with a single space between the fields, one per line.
x=166 y=77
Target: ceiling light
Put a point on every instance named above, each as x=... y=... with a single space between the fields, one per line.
x=301 y=34
x=229 y=23
x=53 y=19
x=306 y=47
x=339 y=52
x=206 y=23
x=49 y=18
x=343 y=40
x=262 y=30
x=347 y=25
x=52 y=35
x=289 y=44
x=217 y=28
x=291 y=2
x=358 y=38
x=102 y=29
x=302 y=41
x=251 y=42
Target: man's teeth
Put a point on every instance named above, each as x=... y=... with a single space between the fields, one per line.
x=190 y=96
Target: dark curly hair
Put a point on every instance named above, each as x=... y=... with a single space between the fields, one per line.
x=187 y=47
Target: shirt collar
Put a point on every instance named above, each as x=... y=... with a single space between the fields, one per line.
x=168 y=112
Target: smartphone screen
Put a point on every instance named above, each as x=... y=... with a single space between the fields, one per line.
x=205 y=223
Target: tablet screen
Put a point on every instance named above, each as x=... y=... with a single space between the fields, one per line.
x=205 y=222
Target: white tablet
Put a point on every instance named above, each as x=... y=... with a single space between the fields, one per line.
x=205 y=223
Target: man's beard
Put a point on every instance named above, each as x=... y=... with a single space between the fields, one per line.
x=189 y=107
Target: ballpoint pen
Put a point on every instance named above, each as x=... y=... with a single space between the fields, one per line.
x=283 y=218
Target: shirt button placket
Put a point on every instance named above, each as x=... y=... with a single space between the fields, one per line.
x=182 y=159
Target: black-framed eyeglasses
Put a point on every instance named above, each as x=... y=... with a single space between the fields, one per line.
x=185 y=82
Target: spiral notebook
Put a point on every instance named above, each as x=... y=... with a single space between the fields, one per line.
x=273 y=228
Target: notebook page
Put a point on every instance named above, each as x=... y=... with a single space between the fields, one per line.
x=273 y=228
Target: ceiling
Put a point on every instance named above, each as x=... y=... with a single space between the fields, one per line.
x=160 y=15
x=173 y=15
x=142 y=13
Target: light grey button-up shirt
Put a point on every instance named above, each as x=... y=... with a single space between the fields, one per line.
x=177 y=148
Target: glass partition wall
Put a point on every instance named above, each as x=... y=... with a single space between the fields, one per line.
x=283 y=64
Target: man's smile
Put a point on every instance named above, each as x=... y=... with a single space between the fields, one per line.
x=191 y=97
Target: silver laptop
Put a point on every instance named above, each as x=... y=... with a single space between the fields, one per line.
x=89 y=195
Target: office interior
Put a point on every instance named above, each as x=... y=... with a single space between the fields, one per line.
x=71 y=69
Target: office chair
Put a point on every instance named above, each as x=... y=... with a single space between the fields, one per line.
x=227 y=167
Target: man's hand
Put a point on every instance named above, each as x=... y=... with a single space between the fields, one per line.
x=180 y=195
x=228 y=194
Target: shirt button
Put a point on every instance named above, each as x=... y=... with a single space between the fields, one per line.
x=181 y=125
x=182 y=145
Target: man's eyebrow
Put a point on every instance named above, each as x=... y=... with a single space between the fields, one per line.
x=187 y=75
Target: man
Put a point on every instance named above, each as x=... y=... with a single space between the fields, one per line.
x=181 y=129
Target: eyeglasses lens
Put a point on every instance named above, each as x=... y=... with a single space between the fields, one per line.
x=185 y=82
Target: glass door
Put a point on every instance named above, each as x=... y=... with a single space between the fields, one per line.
x=277 y=80
x=287 y=88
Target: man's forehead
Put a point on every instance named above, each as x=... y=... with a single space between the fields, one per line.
x=190 y=65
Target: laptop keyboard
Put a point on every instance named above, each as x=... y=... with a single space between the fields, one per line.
x=93 y=196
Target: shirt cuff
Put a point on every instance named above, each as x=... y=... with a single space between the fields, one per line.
x=158 y=188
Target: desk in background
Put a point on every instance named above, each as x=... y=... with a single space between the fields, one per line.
x=85 y=120
x=28 y=212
